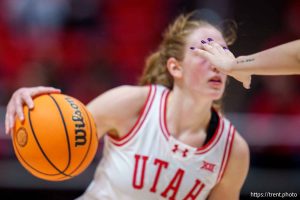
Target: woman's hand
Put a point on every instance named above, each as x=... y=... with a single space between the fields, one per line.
x=223 y=60
x=19 y=98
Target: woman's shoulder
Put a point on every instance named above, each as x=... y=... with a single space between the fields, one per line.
x=129 y=94
x=133 y=93
x=125 y=96
x=240 y=147
x=118 y=107
x=125 y=89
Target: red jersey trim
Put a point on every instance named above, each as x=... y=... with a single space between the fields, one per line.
x=143 y=114
x=214 y=140
x=162 y=113
x=227 y=152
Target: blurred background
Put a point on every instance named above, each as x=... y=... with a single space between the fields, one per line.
x=87 y=47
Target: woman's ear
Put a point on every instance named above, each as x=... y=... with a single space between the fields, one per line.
x=174 y=67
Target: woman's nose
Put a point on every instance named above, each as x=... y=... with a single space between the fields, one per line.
x=214 y=69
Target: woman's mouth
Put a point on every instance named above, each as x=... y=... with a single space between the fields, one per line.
x=215 y=81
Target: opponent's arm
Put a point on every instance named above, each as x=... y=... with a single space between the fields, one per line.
x=280 y=60
x=235 y=172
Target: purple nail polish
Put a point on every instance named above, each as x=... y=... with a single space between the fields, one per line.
x=210 y=39
x=225 y=48
x=192 y=48
x=203 y=42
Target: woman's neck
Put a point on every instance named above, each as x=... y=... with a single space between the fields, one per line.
x=187 y=113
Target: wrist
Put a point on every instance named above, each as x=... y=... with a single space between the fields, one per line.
x=244 y=60
x=240 y=62
x=244 y=64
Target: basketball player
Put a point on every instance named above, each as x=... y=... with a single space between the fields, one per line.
x=166 y=139
x=280 y=60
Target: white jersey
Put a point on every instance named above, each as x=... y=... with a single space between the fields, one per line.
x=148 y=163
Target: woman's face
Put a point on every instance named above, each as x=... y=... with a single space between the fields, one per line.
x=198 y=74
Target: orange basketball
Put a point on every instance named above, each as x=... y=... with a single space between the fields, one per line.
x=57 y=140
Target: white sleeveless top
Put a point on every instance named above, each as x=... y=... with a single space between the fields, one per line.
x=148 y=163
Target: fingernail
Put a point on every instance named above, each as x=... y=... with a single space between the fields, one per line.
x=225 y=48
x=203 y=42
x=192 y=48
x=210 y=39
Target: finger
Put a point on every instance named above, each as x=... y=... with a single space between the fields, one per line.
x=9 y=111
x=247 y=83
x=205 y=54
x=216 y=46
x=19 y=108
x=206 y=46
x=228 y=52
x=6 y=124
x=28 y=101
x=44 y=90
x=11 y=122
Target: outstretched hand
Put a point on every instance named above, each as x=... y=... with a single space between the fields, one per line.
x=223 y=60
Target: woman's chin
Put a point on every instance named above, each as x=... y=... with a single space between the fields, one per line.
x=216 y=96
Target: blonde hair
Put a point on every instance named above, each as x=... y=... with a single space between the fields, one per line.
x=173 y=45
